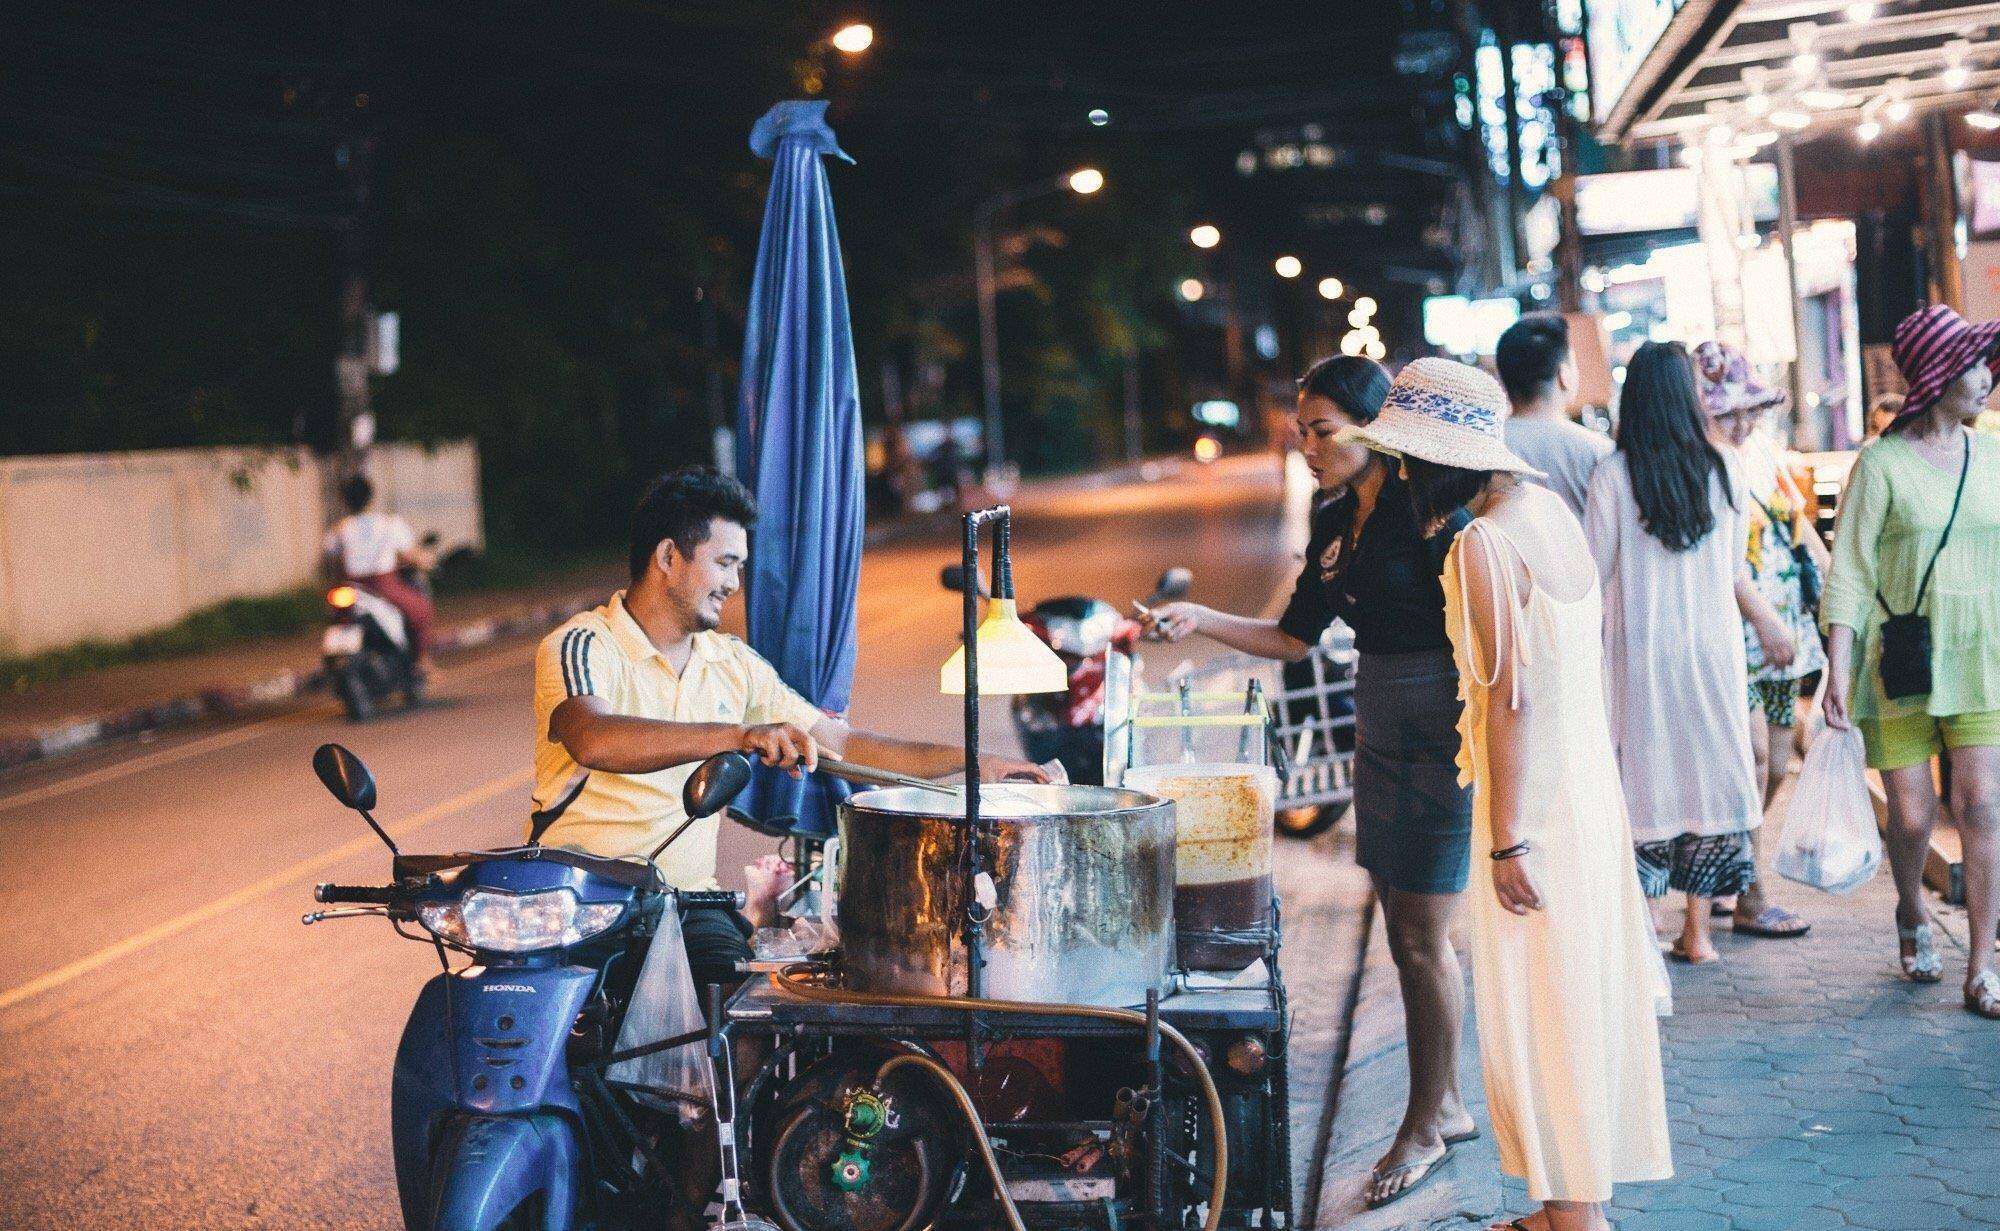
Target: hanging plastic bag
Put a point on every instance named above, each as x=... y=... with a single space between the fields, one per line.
x=664 y=1006
x=1829 y=840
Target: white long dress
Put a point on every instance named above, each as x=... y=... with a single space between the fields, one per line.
x=1567 y=996
x=1677 y=683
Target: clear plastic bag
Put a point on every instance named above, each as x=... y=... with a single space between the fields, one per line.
x=664 y=1006
x=1830 y=840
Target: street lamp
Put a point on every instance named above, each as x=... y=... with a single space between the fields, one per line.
x=1205 y=236
x=1288 y=266
x=854 y=38
x=1330 y=288
x=1192 y=289
x=1083 y=181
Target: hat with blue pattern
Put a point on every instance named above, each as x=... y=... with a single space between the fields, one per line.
x=1445 y=412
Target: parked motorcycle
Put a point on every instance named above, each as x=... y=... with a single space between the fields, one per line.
x=1069 y=726
x=503 y=1114
x=366 y=647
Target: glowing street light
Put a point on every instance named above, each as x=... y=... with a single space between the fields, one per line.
x=1192 y=289
x=854 y=38
x=1365 y=306
x=1330 y=288
x=1288 y=266
x=1099 y=117
x=1205 y=236
x=1085 y=180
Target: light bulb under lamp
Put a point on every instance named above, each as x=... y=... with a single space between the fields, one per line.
x=1012 y=660
x=1985 y=121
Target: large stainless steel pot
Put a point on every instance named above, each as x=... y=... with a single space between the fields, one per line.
x=1083 y=889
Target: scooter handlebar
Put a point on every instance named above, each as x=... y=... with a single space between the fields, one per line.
x=372 y=895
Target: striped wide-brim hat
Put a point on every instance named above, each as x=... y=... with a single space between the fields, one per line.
x=1444 y=412
x=1935 y=346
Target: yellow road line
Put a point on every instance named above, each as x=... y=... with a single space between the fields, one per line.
x=277 y=880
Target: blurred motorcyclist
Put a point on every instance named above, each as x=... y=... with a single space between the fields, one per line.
x=370 y=549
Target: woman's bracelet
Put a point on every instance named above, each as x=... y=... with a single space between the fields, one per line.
x=1511 y=852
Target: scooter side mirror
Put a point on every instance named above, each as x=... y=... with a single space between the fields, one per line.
x=1174 y=583
x=714 y=783
x=345 y=776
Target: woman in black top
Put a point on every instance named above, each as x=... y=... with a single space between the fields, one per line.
x=1368 y=564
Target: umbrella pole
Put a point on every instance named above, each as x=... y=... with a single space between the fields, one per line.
x=974 y=851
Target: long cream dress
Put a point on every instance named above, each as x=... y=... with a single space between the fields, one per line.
x=1567 y=997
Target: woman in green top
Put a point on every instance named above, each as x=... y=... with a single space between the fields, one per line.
x=1927 y=472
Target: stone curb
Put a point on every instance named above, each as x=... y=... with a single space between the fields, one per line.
x=1368 y=1106
x=222 y=702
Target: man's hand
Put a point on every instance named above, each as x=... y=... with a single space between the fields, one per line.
x=1005 y=769
x=782 y=746
x=1834 y=701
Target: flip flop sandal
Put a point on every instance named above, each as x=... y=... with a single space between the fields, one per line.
x=1719 y=909
x=1420 y=1170
x=1679 y=954
x=1773 y=923
x=1922 y=965
x=1459 y=1139
x=1514 y=1224
x=1982 y=997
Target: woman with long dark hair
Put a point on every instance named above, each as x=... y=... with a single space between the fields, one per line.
x=1666 y=523
x=1369 y=564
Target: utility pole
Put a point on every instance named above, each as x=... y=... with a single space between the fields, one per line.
x=351 y=365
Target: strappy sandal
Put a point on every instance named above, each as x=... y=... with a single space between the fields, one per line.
x=1922 y=964
x=1679 y=953
x=1982 y=996
x=1773 y=923
x=1420 y=1170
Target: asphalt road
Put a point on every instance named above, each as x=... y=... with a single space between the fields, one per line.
x=177 y=1052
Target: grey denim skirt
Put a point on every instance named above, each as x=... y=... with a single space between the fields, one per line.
x=1412 y=821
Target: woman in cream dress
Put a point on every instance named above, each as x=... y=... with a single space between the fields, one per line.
x=1567 y=977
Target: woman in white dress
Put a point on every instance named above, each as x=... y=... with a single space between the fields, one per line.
x=1565 y=968
x=1666 y=519
x=1567 y=980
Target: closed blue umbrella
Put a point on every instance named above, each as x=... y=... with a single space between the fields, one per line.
x=798 y=428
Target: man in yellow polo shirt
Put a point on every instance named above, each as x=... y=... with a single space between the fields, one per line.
x=630 y=696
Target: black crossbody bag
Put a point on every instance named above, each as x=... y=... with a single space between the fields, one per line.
x=1809 y=579
x=1906 y=639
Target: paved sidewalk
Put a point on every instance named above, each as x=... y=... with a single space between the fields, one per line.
x=1810 y=1088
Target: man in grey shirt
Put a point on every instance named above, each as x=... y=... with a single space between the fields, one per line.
x=1540 y=375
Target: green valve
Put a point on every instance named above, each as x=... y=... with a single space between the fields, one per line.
x=850 y=1171
x=866 y=1116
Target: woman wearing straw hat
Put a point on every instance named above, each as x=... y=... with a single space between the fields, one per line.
x=1665 y=519
x=1913 y=616
x=1567 y=978
x=1780 y=637
x=1368 y=564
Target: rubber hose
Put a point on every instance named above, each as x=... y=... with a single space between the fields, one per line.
x=1218 y=1191
x=965 y=1105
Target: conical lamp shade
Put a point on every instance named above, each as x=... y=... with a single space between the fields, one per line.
x=1011 y=658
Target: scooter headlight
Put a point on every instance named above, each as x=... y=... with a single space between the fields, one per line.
x=502 y=922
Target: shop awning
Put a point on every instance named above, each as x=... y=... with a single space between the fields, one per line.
x=1808 y=66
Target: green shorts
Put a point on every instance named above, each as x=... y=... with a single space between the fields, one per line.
x=1898 y=743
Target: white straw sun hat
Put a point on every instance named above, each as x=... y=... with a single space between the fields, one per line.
x=1443 y=411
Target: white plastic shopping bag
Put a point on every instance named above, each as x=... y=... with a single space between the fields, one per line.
x=1829 y=840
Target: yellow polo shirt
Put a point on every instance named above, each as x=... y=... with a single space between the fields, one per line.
x=604 y=653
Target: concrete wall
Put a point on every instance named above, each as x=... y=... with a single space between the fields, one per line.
x=107 y=546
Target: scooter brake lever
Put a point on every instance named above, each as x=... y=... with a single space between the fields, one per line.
x=353 y=912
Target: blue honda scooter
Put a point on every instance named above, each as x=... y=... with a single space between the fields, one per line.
x=503 y=1116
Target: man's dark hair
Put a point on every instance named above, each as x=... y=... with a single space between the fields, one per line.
x=682 y=505
x=1530 y=354
x=357 y=494
x=1354 y=384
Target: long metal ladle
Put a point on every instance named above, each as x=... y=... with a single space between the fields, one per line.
x=869 y=775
